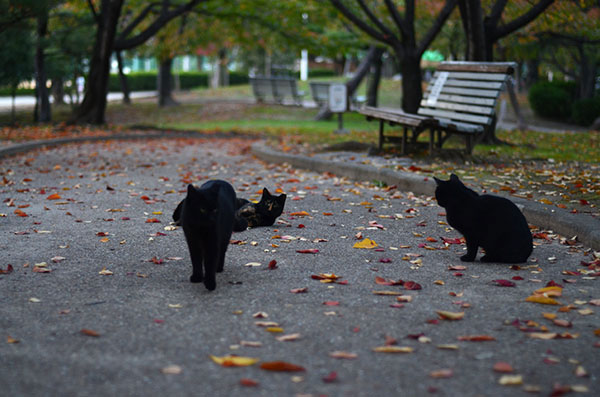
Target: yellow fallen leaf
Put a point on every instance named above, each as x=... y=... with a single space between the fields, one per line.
x=511 y=380
x=393 y=349
x=542 y=299
x=585 y=312
x=543 y=335
x=549 y=316
x=549 y=291
x=105 y=272
x=365 y=244
x=444 y=315
x=448 y=347
x=275 y=329
x=171 y=370
x=234 y=361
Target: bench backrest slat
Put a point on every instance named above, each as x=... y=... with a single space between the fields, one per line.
x=455 y=115
x=471 y=100
x=474 y=76
x=488 y=85
x=487 y=110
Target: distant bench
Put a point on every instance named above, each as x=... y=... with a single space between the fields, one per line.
x=276 y=89
x=460 y=99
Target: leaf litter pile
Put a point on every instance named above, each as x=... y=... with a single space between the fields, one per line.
x=356 y=287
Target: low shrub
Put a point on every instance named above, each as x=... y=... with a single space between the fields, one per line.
x=552 y=99
x=585 y=111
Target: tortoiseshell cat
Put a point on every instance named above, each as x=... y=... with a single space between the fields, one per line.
x=263 y=213
x=492 y=222
x=206 y=216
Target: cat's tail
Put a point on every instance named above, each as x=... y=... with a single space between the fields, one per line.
x=177 y=213
x=239 y=224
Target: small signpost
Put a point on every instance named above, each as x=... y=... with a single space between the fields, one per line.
x=338 y=103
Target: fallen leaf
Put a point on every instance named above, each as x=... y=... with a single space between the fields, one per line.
x=387 y=293
x=288 y=338
x=543 y=335
x=234 y=361
x=343 y=355
x=248 y=382
x=250 y=343
x=308 y=251
x=89 y=332
x=171 y=370
x=331 y=303
x=544 y=300
x=441 y=373
x=393 y=349
x=253 y=264
x=10 y=339
x=281 y=366
x=476 y=338
x=502 y=366
x=105 y=272
x=365 y=244
x=300 y=213
x=549 y=291
x=504 y=283
x=53 y=197
x=452 y=316
x=331 y=377
x=510 y=380
x=274 y=329
x=299 y=290
x=411 y=285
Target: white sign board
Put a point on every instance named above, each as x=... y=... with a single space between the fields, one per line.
x=437 y=88
x=338 y=98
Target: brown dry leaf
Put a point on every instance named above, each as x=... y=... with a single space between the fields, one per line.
x=441 y=373
x=404 y=298
x=281 y=366
x=476 y=338
x=502 y=366
x=549 y=316
x=448 y=347
x=10 y=339
x=251 y=343
x=452 y=316
x=89 y=332
x=396 y=293
x=266 y=324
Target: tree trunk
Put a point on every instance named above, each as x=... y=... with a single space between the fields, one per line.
x=58 y=91
x=373 y=87
x=94 y=102
x=412 y=92
x=165 y=86
x=532 y=75
x=13 y=94
x=587 y=74
x=472 y=18
x=42 y=111
x=123 y=79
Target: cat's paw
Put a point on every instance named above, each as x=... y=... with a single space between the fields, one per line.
x=194 y=278
x=467 y=258
x=210 y=284
x=486 y=258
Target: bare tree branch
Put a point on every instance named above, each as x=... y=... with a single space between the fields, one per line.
x=137 y=20
x=496 y=12
x=362 y=25
x=93 y=10
x=396 y=17
x=500 y=31
x=437 y=25
x=374 y=19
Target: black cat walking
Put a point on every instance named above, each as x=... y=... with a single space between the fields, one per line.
x=487 y=221
x=207 y=216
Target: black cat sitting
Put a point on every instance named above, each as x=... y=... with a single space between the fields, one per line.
x=207 y=216
x=263 y=213
x=487 y=221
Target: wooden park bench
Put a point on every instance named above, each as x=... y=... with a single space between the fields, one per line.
x=460 y=99
x=276 y=89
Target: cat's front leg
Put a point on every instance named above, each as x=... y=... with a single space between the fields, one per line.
x=471 y=251
x=210 y=267
x=196 y=257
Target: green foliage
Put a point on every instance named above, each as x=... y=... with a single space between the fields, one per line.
x=146 y=81
x=585 y=111
x=552 y=99
x=16 y=55
x=7 y=91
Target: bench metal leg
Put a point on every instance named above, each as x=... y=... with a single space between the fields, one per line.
x=439 y=139
x=431 y=139
x=469 y=142
x=404 y=140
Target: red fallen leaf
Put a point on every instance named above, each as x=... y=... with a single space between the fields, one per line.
x=301 y=226
x=125 y=218
x=552 y=283
x=273 y=264
x=145 y=198
x=158 y=321
x=156 y=261
x=248 y=382
x=397 y=305
x=53 y=197
x=308 y=251
x=518 y=278
x=476 y=338
x=415 y=336
x=152 y=220
x=9 y=269
x=89 y=332
x=584 y=202
x=281 y=366
x=299 y=290
x=331 y=303
x=20 y=213
x=452 y=240
x=503 y=367
x=504 y=283
x=332 y=377
x=383 y=281
x=411 y=285
x=457 y=274
x=385 y=260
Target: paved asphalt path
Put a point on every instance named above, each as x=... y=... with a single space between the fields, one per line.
x=155 y=331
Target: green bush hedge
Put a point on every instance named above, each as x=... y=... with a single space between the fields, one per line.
x=146 y=81
x=7 y=91
x=585 y=111
x=552 y=99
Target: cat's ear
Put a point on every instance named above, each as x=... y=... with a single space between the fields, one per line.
x=191 y=189
x=266 y=193
x=281 y=199
x=437 y=181
x=454 y=178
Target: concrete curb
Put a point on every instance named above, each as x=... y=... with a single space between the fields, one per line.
x=586 y=228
